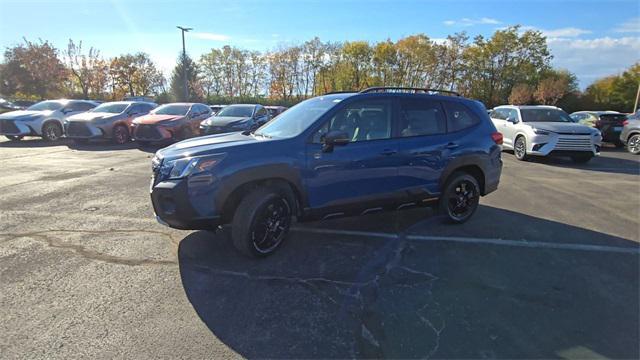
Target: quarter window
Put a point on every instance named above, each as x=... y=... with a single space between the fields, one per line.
x=421 y=117
x=459 y=117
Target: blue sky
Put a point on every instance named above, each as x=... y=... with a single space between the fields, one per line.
x=589 y=38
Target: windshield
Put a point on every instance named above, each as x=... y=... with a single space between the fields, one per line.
x=297 y=119
x=110 y=108
x=46 y=105
x=544 y=115
x=171 y=110
x=237 y=111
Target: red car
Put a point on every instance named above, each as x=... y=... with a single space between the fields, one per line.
x=170 y=122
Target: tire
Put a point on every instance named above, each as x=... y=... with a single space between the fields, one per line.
x=120 y=135
x=460 y=198
x=14 y=137
x=51 y=131
x=81 y=141
x=261 y=222
x=520 y=149
x=582 y=158
x=633 y=144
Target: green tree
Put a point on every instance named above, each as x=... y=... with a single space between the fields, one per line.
x=135 y=75
x=186 y=66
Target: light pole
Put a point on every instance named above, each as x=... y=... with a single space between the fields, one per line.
x=184 y=63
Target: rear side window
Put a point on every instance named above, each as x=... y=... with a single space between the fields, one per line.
x=459 y=117
x=79 y=106
x=421 y=117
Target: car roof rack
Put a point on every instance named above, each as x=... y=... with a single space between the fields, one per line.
x=410 y=90
x=340 y=92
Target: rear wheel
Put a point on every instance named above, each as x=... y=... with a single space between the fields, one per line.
x=261 y=222
x=120 y=134
x=52 y=131
x=582 y=158
x=14 y=137
x=460 y=197
x=520 y=148
x=633 y=144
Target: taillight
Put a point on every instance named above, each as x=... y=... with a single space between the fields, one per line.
x=497 y=137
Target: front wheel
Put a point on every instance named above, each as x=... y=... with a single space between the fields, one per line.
x=261 y=222
x=582 y=158
x=633 y=144
x=120 y=134
x=14 y=137
x=460 y=197
x=520 y=149
x=52 y=131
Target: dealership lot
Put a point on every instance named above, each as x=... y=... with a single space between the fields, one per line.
x=548 y=267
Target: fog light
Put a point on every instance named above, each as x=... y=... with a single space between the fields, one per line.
x=537 y=147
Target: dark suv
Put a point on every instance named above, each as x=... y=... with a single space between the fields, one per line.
x=335 y=155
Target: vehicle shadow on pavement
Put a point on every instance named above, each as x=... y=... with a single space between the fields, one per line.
x=101 y=146
x=329 y=295
x=602 y=163
x=34 y=143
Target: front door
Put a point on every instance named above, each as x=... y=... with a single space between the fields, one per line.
x=360 y=176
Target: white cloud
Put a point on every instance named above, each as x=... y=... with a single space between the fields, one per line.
x=630 y=26
x=210 y=36
x=591 y=59
x=565 y=32
x=472 y=22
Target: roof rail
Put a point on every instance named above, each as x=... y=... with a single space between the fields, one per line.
x=340 y=92
x=399 y=89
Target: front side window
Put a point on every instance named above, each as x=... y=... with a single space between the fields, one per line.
x=459 y=117
x=544 y=115
x=362 y=121
x=421 y=117
x=261 y=111
x=170 y=109
x=499 y=114
x=79 y=106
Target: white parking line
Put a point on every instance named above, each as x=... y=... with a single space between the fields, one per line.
x=472 y=240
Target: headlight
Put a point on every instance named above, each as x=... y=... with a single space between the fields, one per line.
x=206 y=122
x=181 y=168
x=541 y=132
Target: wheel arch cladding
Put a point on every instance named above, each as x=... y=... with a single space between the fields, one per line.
x=231 y=201
x=470 y=168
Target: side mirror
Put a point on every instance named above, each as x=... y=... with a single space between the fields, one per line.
x=334 y=138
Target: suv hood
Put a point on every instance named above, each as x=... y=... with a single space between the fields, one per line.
x=152 y=119
x=23 y=114
x=227 y=120
x=90 y=116
x=561 y=127
x=205 y=144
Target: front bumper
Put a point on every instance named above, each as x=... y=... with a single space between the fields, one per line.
x=544 y=145
x=211 y=130
x=83 y=130
x=178 y=205
x=151 y=133
x=16 y=128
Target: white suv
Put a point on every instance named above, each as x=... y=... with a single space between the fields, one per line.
x=545 y=130
x=42 y=119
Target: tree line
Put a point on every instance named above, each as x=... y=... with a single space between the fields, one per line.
x=511 y=66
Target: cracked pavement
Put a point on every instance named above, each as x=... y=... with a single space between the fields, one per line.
x=86 y=272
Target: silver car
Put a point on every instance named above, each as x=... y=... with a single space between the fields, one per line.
x=532 y=130
x=630 y=134
x=110 y=120
x=42 y=119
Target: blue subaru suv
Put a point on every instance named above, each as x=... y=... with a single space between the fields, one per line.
x=342 y=154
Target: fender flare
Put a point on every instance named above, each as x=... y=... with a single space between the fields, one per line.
x=476 y=160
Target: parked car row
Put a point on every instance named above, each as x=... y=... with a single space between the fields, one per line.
x=135 y=119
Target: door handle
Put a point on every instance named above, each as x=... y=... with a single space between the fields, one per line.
x=388 y=152
x=451 y=145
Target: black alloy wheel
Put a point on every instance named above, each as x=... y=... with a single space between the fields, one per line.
x=461 y=197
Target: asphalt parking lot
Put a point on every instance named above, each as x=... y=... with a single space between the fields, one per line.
x=547 y=268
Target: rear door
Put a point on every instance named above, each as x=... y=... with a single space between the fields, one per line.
x=423 y=146
x=361 y=175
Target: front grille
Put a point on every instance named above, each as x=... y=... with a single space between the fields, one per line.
x=579 y=143
x=78 y=129
x=8 y=127
x=147 y=132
